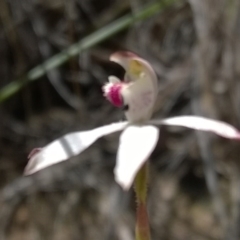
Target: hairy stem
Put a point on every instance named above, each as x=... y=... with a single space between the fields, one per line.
x=142 y=223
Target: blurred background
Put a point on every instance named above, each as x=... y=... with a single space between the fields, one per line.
x=51 y=86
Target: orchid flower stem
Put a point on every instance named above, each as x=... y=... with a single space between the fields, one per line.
x=142 y=230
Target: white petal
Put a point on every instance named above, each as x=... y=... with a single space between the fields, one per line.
x=140 y=97
x=67 y=146
x=136 y=145
x=141 y=91
x=124 y=59
x=113 y=79
x=201 y=123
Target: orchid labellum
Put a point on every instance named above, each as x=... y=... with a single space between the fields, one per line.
x=137 y=95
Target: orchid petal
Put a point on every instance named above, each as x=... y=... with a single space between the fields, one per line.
x=141 y=88
x=68 y=146
x=134 y=66
x=201 y=123
x=136 y=145
x=121 y=58
x=114 y=79
x=140 y=97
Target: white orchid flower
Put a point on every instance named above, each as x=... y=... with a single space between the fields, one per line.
x=137 y=95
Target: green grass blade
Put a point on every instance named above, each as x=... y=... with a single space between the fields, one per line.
x=85 y=43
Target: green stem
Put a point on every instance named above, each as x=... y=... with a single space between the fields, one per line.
x=142 y=230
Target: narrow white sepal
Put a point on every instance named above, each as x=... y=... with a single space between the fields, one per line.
x=136 y=145
x=200 y=123
x=68 y=146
